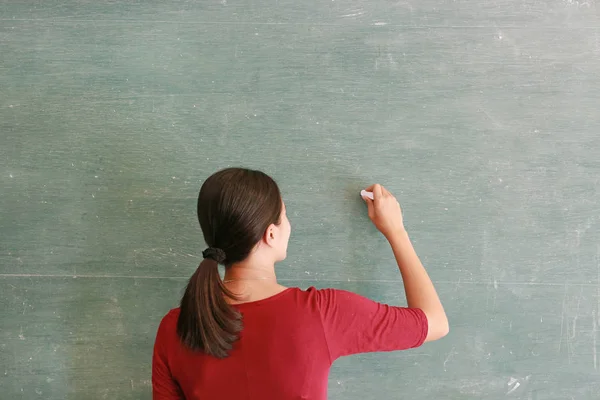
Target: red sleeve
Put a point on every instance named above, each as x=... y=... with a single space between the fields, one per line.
x=354 y=324
x=164 y=387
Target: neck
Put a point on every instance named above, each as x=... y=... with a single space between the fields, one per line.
x=250 y=273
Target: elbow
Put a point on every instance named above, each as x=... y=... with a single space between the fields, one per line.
x=444 y=329
x=443 y=326
x=439 y=332
x=438 y=328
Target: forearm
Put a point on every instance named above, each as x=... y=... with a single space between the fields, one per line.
x=420 y=292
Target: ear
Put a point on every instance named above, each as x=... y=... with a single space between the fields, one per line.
x=270 y=235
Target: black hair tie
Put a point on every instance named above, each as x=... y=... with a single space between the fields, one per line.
x=214 y=254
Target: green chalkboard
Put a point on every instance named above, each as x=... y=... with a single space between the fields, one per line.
x=481 y=116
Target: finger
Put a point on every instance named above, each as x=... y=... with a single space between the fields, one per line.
x=372 y=187
x=377 y=191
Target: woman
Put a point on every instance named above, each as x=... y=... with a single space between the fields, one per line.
x=246 y=336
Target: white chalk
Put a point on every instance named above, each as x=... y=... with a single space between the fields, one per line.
x=364 y=193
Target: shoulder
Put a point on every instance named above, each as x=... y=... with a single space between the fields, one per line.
x=166 y=334
x=313 y=293
x=329 y=293
x=172 y=315
x=325 y=297
x=168 y=322
x=302 y=297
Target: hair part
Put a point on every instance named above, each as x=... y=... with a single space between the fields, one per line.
x=235 y=207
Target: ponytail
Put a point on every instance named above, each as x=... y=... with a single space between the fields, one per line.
x=206 y=321
x=235 y=208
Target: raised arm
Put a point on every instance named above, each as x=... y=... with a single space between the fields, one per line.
x=386 y=215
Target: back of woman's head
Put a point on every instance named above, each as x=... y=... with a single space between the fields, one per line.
x=235 y=207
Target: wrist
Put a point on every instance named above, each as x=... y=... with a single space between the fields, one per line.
x=397 y=236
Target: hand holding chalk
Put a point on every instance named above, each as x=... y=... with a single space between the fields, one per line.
x=385 y=213
x=364 y=193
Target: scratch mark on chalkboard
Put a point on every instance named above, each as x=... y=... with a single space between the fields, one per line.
x=514 y=382
x=598 y=280
x=562 y=319
x=596 y=315
x=495 y=294
x=494 y=121
x=392 y=62
x=594 y=336
x=576 y=314
x=452 y=352
x=457 y=285
x=354 y=13
x=514 y=388
x=116 y=310
x=577 y=3
x=251 y=23
x=225 y=132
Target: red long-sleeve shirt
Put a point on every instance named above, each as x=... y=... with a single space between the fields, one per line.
x=286 y=348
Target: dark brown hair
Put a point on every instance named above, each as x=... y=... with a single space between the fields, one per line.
x=235 y=207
